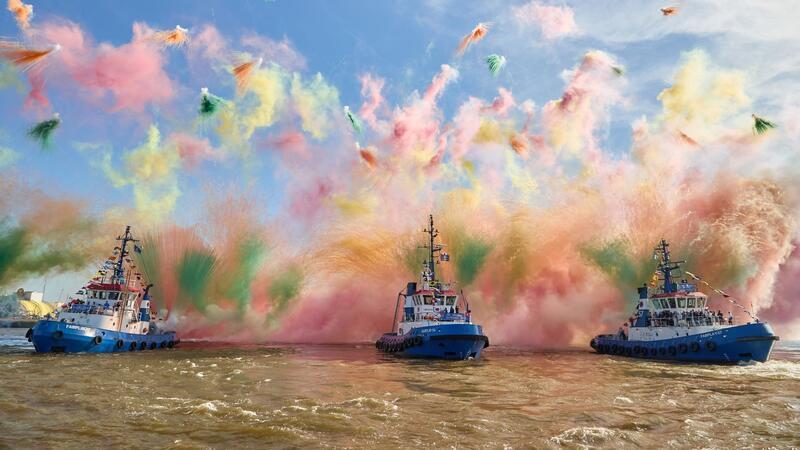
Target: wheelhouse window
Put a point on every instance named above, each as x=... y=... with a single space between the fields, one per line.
x=102 y=295
x=428 y=299
x=672 y=302
x=113 y=295
x=701 y=303
x=690 y=302
x=681 y=302
x=451 y=300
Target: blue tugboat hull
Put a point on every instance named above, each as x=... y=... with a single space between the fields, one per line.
x=732 y=345
x=50 y=336
x=454 y=342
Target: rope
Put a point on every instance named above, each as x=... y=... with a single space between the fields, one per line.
x=720 y=292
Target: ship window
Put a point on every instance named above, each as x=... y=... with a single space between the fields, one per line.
x=451 y=301
x=102 y=295
x=701 y=302
x=113 y=295
x=690 y=303
x=681 y=302
x=672 y=302
x=428 y=299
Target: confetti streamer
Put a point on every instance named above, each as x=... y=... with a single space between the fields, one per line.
x=243 y=72
x=477 y=33
x=496 y=63
x=23 y=57
x=761 y=125
x=176 y=37
x=209 y=103
x=354 y=121
x=43 y=131
x=670 y=10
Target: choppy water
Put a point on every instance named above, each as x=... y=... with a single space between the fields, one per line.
x=221 y=396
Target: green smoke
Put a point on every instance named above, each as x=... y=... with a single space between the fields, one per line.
x=148 y=263
x=251 y=253
x=24 y=253
x=194 y=275
x=285 y=287
x=470 y=256
x=617 y=262
x=413 y=257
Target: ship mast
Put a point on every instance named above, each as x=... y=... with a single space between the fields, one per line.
x=665 y=266
x=119 y=273
x=433 y=248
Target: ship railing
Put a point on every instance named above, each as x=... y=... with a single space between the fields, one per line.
x=691 y=321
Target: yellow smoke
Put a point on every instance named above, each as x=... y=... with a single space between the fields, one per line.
x=315 y=102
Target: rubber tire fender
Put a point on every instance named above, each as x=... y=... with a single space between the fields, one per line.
x=29 y=334
x=152 y=346
x=417 y=340
x=695 y=347
x=672 y=350
x=711 y=345
x=120 y=343
x=58 y=334
x=170 y=344
x=132 y=347
x=683 y=348
x=614 y=348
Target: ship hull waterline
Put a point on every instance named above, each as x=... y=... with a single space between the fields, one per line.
x=51 y=336
x=453 y=342
x=746 y=343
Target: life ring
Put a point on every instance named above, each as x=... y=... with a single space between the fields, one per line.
x=711 y=345
x=683 y=348
x=695 y=347
x=58 y=334
x=120 y=343
x=672 y=350
x=132 y=346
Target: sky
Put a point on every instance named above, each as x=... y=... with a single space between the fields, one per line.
x=610 y=126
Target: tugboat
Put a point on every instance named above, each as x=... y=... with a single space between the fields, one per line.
x=436 y=322
x=674 y=322
x=113 y=314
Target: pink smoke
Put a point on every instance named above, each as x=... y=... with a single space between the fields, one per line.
x=132 y=75
x=417 y=124
x=502 y=103
x=280 y=52
x=193 y=150
x=554 y=21
x=371 y=88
